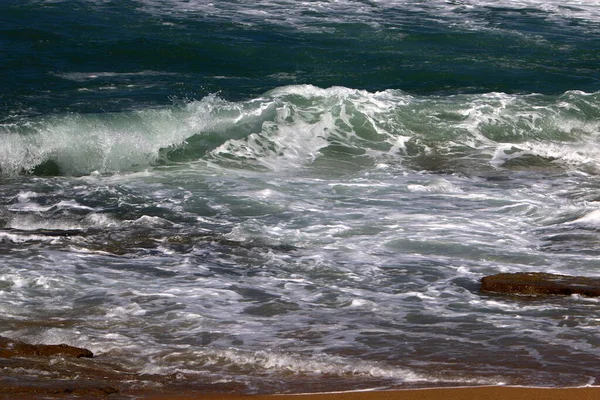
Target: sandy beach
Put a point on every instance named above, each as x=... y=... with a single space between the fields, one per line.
x=462 y=393
x=455 y=393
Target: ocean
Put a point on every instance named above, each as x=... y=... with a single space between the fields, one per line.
x=285 y=196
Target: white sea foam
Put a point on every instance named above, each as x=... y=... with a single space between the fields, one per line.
x=592 y=218
x=279 y=145
x=111 y=143
x=19 y=238
x=438 y=186
x=378 y=14
x=328 y=365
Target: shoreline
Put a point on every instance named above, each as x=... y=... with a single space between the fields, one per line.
x=66 y=372
x=102 y=390
x=451 y=393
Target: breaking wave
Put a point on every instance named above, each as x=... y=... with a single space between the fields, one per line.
x=303 y=125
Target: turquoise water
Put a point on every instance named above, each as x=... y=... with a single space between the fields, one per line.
x=278 y=192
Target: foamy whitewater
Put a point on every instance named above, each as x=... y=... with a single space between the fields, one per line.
x=279 y=192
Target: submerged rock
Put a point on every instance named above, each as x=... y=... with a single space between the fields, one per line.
x=539 y=283
x=14 y=348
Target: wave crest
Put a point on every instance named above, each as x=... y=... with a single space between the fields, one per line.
x=301 y=125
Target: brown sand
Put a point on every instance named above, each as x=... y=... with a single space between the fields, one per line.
x=466 y=393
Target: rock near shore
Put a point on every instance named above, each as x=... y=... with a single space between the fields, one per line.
x=539 y=283
x=14 y=348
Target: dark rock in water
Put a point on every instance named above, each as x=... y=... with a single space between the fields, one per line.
x=14 y=348
x=539 y=283
x=59 y=390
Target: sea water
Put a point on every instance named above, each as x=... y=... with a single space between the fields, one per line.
x=275 y=192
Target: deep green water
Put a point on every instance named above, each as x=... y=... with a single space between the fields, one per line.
x=154 y=51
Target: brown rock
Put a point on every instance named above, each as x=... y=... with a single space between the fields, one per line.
x=15 y=348
x=539 y=283
x=57 y=390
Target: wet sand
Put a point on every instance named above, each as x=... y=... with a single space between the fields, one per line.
x=462 y=393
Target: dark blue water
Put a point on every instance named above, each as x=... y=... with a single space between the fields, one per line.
x=265 y=192
x=242 y=51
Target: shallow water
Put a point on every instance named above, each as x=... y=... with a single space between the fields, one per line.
x=266 y=194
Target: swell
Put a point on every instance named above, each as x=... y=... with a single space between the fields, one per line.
x=302 y=126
